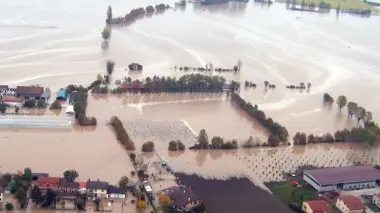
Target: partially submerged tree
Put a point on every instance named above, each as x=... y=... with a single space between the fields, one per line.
x=110 y=66
x=123 y=182
x=148 y=146
x=341 y=101
x=352 y=107
x=217 y=142
x=360 y=113
x=36 y=195
x=21 y=196
x=70 y=175
x=327 y=98
x=308 y=85
x=109 y=15
x=106 y=33
x=27 y=174
x=203 y=139
x=266 y=83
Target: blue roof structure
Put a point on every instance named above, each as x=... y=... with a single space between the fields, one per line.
x=62 y=94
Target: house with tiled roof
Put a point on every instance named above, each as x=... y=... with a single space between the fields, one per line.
x=97 y=188
x=316 y=206
x=350 y=204
x=29 y=92
x=115 y=192
x=45 y=183
x=182 y=198
x=68 y=187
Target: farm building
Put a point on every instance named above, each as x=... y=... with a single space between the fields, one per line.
x=29 y=92
x=62 y=95
x=349 y=177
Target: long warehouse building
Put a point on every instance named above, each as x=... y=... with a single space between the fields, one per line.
x=342 y=178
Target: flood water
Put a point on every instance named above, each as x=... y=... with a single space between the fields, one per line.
x=55 y=43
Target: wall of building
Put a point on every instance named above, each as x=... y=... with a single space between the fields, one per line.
x=359 y=185
x=306 y=208
x=1 y=197
x=376 y=200
x=316 y=186
x=341 y=206
x=120 y=196
x=100 y=192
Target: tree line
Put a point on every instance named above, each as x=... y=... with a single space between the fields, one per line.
x=210 y=67
x=121 y=133
x=218 y=142
x=276 y=130
x=370 y=132
x=134 y=13
x=186 y=83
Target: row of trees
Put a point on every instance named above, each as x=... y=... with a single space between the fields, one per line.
x=176 y=146
x=216 y=142
x=186 y=83
x=80 y=110
x=274 y=128
x=121 y=134
x=210 y=67
x=301 y=86
x=359 y=134
x=353 y=108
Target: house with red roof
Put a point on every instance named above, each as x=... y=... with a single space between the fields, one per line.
x=316 y=206
x=350 y=204
x=45 y=183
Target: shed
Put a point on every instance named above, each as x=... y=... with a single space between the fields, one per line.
x=62 y=95
x=70 y=110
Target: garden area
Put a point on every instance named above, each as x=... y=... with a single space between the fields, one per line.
x=292 y=192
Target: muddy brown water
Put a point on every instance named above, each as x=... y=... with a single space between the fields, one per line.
x=58 y=43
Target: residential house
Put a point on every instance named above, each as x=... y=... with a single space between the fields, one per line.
x=29 y=92
x=82 y=187
x=376 y=199
x=97 y=188
x=68 y=187
x=45 y=183
x=115 y=192
x=350 y=204
x=1 y=197
x=135 y=67
x=13 y=101
x=183 y=199
x=316 y=206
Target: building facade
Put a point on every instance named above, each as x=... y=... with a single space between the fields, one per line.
x=97 y=188
x=115 y=192
x=342 y=178
x=350 y=204
x=68 y=187
x=376 y=200
x=316 y=206
x=45 y=183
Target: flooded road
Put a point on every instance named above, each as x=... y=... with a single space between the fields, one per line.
x=56 y=43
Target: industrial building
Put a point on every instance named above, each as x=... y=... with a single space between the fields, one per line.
x=342 y=178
